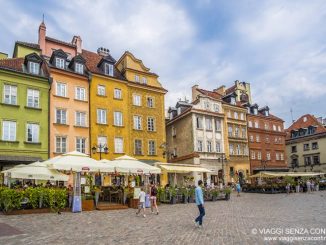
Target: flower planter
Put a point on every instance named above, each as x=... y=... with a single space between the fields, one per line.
x=87 y=205
x=173 y=200
x=185 y=199
x=34 y=211
x=227 y=196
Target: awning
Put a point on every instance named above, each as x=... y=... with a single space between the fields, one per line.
x=283 y=174
x=183 y=169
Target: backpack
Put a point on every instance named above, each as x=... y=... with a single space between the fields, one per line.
x=154 y=191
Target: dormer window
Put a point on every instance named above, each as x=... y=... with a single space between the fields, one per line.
x=232 y=101
x=256 y=111
x=79 y=68
x=60 y=63
x=266 y=113
x=34 y=68
x=108 y=69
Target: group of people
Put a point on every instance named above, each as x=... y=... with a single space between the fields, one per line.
x=142 y=200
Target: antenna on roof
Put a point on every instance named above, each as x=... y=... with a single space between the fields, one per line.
x=292 y=115
x=43 y=18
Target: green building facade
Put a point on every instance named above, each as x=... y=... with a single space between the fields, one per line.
x=24 y=103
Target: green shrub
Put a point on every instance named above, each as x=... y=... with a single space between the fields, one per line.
x=10 y=199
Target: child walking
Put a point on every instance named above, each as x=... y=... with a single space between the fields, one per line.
x=141 y=205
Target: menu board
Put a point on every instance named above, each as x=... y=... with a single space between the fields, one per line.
x=82 y=180
x=136 y=193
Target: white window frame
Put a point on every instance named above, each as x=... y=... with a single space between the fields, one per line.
x=137 y=122
x=218 y=125
x=137 y=79
x=34 y=67
x=199 y=145
x=151 y=124
x=259 y=155
x=136 y=98
x=101 y=117
x=79 y=68
x=199 y=122
x=216 y=107
x=12 y=130
x=101 y=90
x=151 y=148
x=35 y=97
x=141 y=147
x=144 y=80
x=209 y=145
x=118 y=118
x=250 y=124
x=61 y=147
x=61 y=89
x=60 y=63
x=118 y=145
x=208 y=124
x=150 y=102
x=63 y=116
x=80 y=119
x=218 y=146
x=80 y=93
x=268 y=156
x=117 y=93
x=236 y=115
x=256 y=124
x=81 y=141
x=103 y=141
x=253 y=156
x=35 y=131
x=108 y=69
x=11 y=97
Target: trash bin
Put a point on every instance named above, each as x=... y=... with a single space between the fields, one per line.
x=147 y=201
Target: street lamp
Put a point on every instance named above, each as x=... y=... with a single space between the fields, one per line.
x=100 y=147
x=263 y=163
x=222 y=159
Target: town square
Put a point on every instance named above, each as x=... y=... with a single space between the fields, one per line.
x=162 y=122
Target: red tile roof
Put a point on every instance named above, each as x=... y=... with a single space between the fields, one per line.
x=310 y=121
x=92 y=60
x=231 y=89
x=51 y=39
x=15 y=64
x=212 y=94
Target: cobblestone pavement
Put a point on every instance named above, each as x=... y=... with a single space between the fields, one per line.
x=226 y=222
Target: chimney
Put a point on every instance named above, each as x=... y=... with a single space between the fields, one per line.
x=194 y=92
x=103 y=51
x=41 y=36
x=76 y=40
x=220 y=90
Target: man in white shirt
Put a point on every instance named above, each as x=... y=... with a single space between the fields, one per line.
x=141 y=205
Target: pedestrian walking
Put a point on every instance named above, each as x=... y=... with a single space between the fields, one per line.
x=141 y=205
x=238 y=187
x=308 y=186
x=288 y=188
x=154 y=198
x=200 y=204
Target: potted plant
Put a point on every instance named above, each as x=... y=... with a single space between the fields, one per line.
x=173 y=195
x=227 y=192
x=185 y=195
x=215 y=194
x=191 y=195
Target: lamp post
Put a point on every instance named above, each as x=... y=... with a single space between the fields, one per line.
x=222 y=159
x=100 y=147
x=263 y=163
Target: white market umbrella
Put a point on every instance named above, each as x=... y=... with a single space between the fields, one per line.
x=36 y=173
x=130 y=165
x=77 y=161
x=17 y=166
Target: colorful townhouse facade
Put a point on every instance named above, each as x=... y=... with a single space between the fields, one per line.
x=24 y=89
x=97 y=105
x=306 y=144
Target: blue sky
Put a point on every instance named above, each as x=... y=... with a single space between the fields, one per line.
x=279 y=47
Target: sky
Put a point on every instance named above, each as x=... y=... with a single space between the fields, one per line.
x=279 y=47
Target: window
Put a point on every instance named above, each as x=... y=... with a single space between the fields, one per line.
x=253 y=156
x=256 y=125
x=80 y=93
x=137 y=122
x=251 y=138
x=216 y=108
x=61 y=116
x=144 y=80
x=294 y=149
x=60 y=63
x=230 y=131
x=307 y=161
x=9 y=130
x=217 y=125
x=102 y=142
x=274 y=127
x=242 y=116
x=250 y=124
x=238 y=150
x=118 y=145
x=236 y=131
x=209 y=125
x=266 y=126
x=138 y=147
x=232 y=101
x=33 y=98
x=279 y=128
x=174 y=154
x=316 y=159
x=174 y=131
x=61 y=89
x=267 y=139
x=257 y=138
x=282 y=157
x=108 y=69
x=268 y=156
x=259 y=155
x=218 y=146
x=207 y=105
x=245 y=150
x=151 y=148
x=34 y=67
x=80 y=144
x=101 y=116
x=179 y=110
x=80 y=119
x=209 y=146
x=199 y=122
x=244 y=133
x=306 y=147
x=118 y=119
x=33 y=130
x=199 y=145
x=117 y=93
x=150 y=102
x=150 y=124
x=277 y=156
x=101 y=90
x=236 y=116
x=231 y=149
x=314 y=145
x=229 y=114
x=10 y=94
x=137 y=100
x=276 y=140
x=136 y=78
x=79 y=68
x=61 y=144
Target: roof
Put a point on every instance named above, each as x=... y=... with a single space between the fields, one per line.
x=212 y=94
x=310 y=121
x=270 y=116
x=93 y=59
x=29 y=45
x=231 y=89
x=51 y=39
